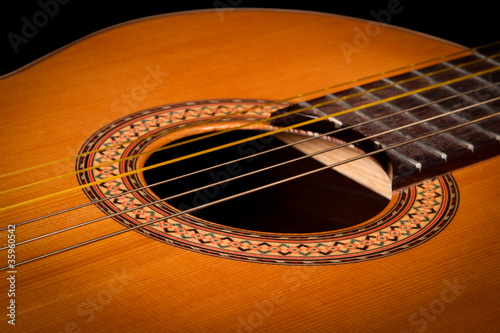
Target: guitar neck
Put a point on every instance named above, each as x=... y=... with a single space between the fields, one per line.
x=427 y=121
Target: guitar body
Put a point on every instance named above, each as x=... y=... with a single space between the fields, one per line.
x=134 y=283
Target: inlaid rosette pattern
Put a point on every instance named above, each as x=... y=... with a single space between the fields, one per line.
x=416 y=215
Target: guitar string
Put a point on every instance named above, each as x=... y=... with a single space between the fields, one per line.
x=318 y=136
x=247 y=110
x=248 y=139
x=365 y=106
x=73 y=173
x=117 y=233
x=254 y=172
x=282 y=129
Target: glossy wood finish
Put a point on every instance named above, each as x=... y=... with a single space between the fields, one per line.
x=134 y=284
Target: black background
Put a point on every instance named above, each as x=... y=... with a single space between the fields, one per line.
x=464 y=22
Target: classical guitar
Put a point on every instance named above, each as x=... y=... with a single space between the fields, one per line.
x=184 y=173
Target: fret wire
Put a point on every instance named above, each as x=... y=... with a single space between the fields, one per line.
x=462 y=70
x=362 y=114
x=475 y=100
x=467 y=97
x=117 y=233
x=338 y=123
x=424 y=145
x=494 y=62
x=402 y=156
x=461 y=141
x=476 y=126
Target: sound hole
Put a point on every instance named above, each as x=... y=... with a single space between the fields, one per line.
x=323 y=201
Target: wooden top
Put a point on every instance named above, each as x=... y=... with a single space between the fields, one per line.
x=134 y=283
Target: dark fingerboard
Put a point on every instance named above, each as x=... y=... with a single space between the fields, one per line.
x=424 y=96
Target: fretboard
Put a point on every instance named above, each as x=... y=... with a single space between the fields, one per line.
x=395 y=112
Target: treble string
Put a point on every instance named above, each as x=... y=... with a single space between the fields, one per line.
x=306 y=139
x=323 y=151
x=228 y=130
x=187 y=211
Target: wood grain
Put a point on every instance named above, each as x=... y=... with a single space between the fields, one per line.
x=134 y=284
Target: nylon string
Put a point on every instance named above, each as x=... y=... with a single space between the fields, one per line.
x=187 y=211
x=259 y=136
